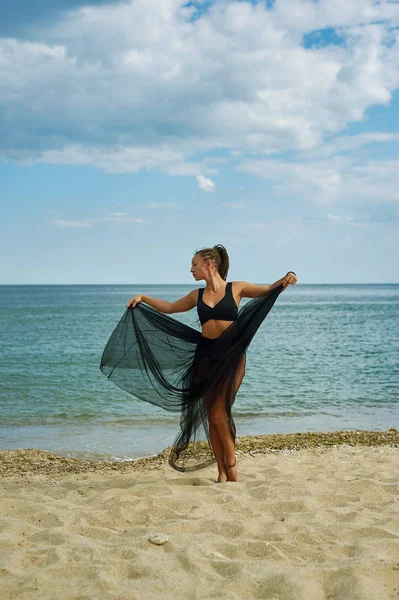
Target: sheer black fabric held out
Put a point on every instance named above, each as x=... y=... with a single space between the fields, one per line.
x=160 y=360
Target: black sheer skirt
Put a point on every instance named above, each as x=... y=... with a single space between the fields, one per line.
x=167 y=363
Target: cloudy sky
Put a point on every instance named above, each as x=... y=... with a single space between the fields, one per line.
x=133 y=133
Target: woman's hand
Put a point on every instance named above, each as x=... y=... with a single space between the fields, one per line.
x=134 y=301
x=289 y=279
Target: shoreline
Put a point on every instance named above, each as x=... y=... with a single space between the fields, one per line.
x=33 y=461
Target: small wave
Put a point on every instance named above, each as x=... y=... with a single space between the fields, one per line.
x=104 y=457
x=80 y=420
x=273 y=414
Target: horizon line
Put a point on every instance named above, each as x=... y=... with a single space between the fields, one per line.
x=189 y=284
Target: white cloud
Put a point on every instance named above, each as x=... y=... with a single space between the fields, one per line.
x=304 y=15
x=319 y=179
x=119 y=159
x=112 y=218
x=115 y=217
x=205 y=184
x=338 y=180
x=71 y=224
x=215 y=160
x=142 y=85
x=348 y=143
x=166 y=159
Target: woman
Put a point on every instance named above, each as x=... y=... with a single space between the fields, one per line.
x=163 y=361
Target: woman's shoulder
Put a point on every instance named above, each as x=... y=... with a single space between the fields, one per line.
x=238 y=285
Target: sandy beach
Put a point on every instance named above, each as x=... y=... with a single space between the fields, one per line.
x=313 y=517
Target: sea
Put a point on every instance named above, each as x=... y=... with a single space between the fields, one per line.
x=325 y=359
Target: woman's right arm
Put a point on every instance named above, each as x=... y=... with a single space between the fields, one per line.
x=182 y=305
x=252 y=290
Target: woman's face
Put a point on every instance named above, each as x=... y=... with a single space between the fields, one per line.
x=199 y=267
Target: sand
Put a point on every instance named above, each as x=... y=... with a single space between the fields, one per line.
x=307 y=523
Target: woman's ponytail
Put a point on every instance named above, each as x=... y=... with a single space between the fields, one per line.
x=224 y=264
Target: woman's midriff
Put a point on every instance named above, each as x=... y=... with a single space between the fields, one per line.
x=213 y=329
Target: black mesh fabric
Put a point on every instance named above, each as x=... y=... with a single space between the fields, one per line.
x=160 y=360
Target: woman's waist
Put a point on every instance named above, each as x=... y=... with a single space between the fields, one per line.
x=213 y=329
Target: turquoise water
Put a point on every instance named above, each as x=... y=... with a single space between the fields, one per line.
x=326 y=358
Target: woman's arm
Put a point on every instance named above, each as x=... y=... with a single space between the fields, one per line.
x=251 y=290
x=182 y=305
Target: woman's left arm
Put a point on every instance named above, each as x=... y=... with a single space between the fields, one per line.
x=251 y=290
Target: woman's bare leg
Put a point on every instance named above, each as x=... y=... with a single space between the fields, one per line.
x=217 y=417
x=218 y=450
x=216 y=443
x=220 y=422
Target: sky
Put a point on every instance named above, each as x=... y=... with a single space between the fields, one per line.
x=134 y=133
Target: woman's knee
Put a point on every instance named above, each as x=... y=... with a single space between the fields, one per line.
x=217 y=417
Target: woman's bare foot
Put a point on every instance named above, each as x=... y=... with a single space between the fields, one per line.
x=232 y=473
x=222 y=477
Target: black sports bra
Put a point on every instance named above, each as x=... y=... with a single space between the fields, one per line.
x=225 y=310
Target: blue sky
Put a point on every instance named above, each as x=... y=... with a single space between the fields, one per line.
x=135 y=132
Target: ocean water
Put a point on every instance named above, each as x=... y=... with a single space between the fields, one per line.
x=326 y=358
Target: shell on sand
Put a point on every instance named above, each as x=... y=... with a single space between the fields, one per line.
x=158 y=539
